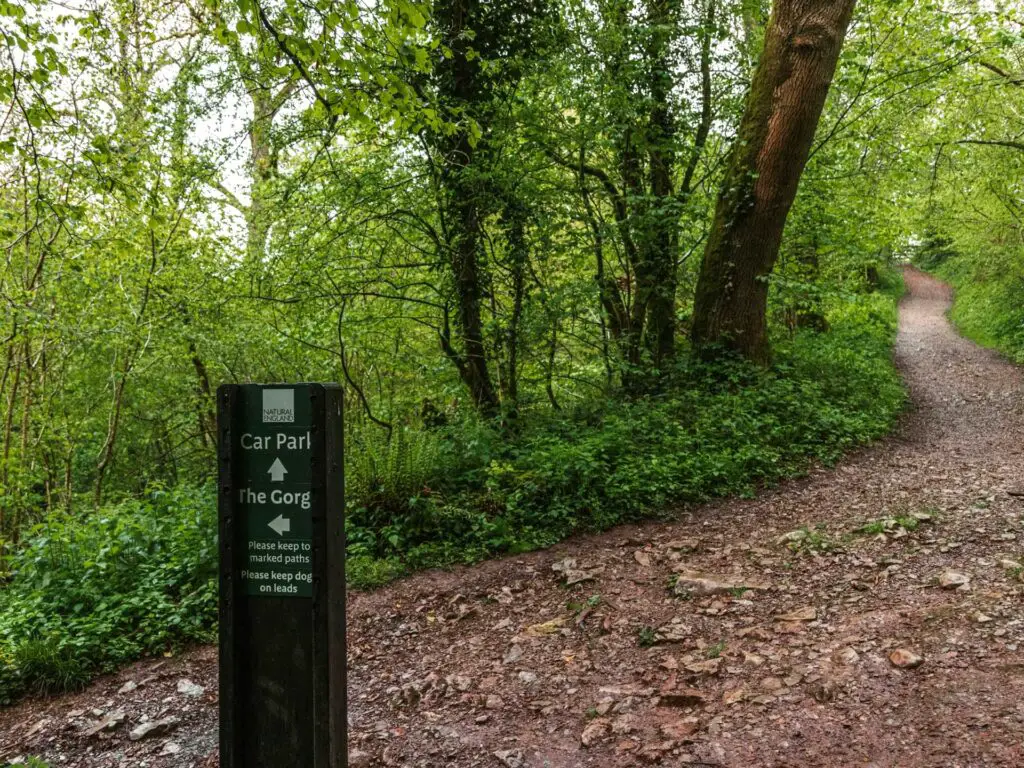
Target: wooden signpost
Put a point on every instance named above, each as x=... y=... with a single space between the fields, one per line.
x=282 y=577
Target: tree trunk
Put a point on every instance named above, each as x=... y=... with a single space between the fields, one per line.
x=207 y=418
x=8 y=433
x=809 y=311
x=465 y=224
x=261 y=173
x=513 y=221
x=802 y=45
x=107 y=452
x=460 y=87
x=662 y=239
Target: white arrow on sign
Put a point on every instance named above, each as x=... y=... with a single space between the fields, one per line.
x=280 y=525
x=277 y=471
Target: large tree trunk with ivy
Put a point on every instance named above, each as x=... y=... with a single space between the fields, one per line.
x=662 y=236
x=802 y=44
x=465 y=239
x=648 y=148
x=461 y=90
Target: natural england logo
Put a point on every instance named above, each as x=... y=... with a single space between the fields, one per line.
x=278 y=406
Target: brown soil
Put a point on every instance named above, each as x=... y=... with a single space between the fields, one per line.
x=502 y=664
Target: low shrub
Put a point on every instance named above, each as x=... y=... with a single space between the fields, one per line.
x=86 y=593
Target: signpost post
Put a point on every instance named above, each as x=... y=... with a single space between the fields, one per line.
x=282 y=577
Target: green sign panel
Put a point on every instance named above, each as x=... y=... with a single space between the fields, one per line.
x=281 y=502
x=273 y=495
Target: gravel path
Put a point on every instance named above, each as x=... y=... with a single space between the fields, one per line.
x=748 y=633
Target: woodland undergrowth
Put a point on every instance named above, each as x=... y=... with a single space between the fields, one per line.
x=88 y=592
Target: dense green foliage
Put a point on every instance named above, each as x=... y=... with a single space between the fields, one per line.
x=988 y=307
x=177 y=212
x=974 y=218
x=87 y=592
x=723 y=429
x=486 y=220
x=971 y=198
x=988 y=283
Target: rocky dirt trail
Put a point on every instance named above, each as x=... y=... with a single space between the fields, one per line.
x=866 y=615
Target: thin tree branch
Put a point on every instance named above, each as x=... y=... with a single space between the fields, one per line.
x=1010 y=144
x=283 y=45
x=1011 y=79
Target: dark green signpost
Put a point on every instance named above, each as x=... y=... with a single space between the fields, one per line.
x=282 y=577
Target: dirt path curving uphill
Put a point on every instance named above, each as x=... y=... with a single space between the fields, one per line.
x=502 y=664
